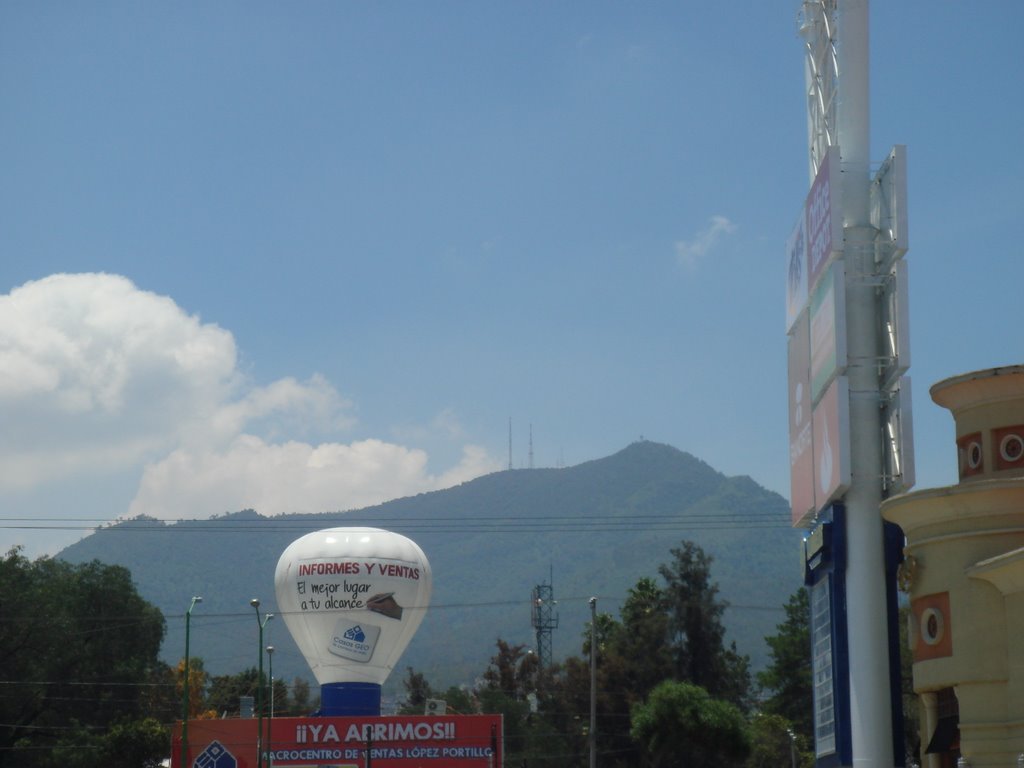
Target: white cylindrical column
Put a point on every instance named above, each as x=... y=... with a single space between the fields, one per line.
x=870 y=704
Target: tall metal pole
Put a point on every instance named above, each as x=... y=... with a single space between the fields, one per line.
x=270 y=662
x=870 y=703
x=593 y=682
x=270 y=725
x=184 y=685
x=261 y=623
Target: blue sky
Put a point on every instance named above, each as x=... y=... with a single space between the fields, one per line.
x=311 y=256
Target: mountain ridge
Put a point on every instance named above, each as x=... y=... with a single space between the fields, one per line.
x=593 y=529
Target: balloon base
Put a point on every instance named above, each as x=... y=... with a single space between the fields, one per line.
x=349 y=700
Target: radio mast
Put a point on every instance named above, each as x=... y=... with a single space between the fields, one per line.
x=544 y=620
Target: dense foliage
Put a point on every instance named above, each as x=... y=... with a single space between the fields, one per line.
x=670 y=690
x=788 y=677
x=680 y=724
x=787 y=722
x=78 y=649
x=82 y=685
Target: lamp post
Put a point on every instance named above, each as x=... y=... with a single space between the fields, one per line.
x=261 y=623
x=593 y=682
x=184 y=686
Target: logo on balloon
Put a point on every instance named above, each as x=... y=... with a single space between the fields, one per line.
x=354 y=641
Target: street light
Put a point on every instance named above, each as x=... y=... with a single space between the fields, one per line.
x=593 y=682
x=184 y=686
x=255 y=603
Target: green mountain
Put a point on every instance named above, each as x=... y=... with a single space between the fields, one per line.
x=589 y=530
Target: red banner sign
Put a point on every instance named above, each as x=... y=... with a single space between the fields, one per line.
x=453 y=741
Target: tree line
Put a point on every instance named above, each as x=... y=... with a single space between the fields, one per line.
x=81 y=683
x=671 y=691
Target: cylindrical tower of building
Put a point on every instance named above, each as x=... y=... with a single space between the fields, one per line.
x=964 y=573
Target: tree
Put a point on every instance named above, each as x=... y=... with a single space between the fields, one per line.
x=643 y=639
x=301 y=704
x=198 y=681
x=775 y=744
x=513 y=671
x=227 y=690
x=682 y=725
x=459 y=701
x=136 y=744
x=417 y=691
x=510 y=689
x=78 y=650
x=788 y=674
x=696 y=632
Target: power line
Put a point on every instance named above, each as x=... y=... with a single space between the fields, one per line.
x=594 y=523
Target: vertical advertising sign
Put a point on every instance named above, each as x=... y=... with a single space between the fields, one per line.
x=824 y=220
x=825 y=559
x=817 y=237
x=801 y=454
x=823 y=667
x=816 y=323
x=831 y=441
x=828 y=329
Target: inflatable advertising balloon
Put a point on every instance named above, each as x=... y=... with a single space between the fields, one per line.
x=352 y=599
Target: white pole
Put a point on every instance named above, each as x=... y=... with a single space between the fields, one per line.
x=871 y=711
x=593 y=682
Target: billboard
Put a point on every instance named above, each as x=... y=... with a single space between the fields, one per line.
x=455 y=741
x=817 y=237
x=831 y=442
x=828 y=329
x=824 y=217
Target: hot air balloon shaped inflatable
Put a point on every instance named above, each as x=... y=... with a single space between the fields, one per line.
x=352 y=599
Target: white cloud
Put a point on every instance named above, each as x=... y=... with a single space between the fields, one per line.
x=285 y=405
x=690 y=252
x=91 y=342
x=96 y=374
x=98 y=377
x=292 y=477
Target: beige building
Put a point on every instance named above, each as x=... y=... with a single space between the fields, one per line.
x=964 y=573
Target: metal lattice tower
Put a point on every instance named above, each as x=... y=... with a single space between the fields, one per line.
x=817 y=25
x=544 y=620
